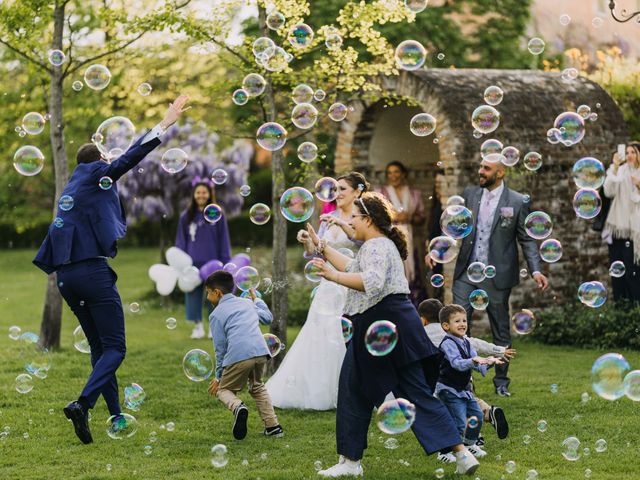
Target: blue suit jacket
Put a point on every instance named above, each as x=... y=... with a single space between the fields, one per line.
x=97 y=220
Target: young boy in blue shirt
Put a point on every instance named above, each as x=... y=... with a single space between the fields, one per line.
x=241 y=352
x=454 y=381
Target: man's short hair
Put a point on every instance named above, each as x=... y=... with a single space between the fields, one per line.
x=430 y=309
x=449 y=310
x=87 y=153
x=221 y=280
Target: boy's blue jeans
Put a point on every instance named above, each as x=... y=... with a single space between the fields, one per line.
x=461 y=410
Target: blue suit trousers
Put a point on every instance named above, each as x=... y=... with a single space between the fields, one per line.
x=89 y=288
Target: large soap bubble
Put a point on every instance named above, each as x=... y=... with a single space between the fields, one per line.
x=254 y=84
x=260 y=213
x=80 y=341
x=275 y=20
x=174 y=160
x=456 y=221
x=538 y=225
x=632 y=385
x=410 y=55
x=587 y=203
x=114 y=136
x=97 y=77
x=550 y=250
x=523 y=322
x=338 y=112
x=493 y=95
x=302 y=93
x=28 y=160
x=271 y=136
x=592 y=294
x=381 y=338
x=588 y=172
x=304 y=115
x=247 y=278
x=33 y=123
x=570 y=128
x=274 y=344
x=212 y=213
x=532 y=161
x=134 y=396
x=443 y=249
x=297 y=204
x=121 y=426
x=395 y=416
x=490 y=146
x=479 y=299
x=300 y=35
x=536 y=46
x=326 y=189
x=35 y=358
x=485 y=119
x=307 y=152
x=263 y=46
x=24 y=383
x=197 y=365
x=607 y=375
x=422 y=124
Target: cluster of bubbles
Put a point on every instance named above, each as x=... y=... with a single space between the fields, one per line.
x=395 y=416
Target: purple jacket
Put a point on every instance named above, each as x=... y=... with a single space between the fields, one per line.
x=202 y=240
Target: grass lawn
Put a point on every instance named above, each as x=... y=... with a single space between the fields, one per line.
x=41 y=443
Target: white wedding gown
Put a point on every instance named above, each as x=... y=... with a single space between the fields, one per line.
x=307 y=379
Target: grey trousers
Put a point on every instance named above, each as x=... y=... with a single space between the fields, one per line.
x=498 y=311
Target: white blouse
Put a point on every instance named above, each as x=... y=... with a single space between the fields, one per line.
x=382 y=270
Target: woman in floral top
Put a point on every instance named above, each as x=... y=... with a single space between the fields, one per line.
x=378 y=290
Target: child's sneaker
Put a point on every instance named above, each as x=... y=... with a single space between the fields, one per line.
x=499 y=422
x=466 y=463
x=447 y=457
x=241 y=414
x=276 y=431
x=477 y=450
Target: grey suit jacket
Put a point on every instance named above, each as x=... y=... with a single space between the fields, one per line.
x=508 y=226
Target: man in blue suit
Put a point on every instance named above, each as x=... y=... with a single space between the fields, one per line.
x=89 y=221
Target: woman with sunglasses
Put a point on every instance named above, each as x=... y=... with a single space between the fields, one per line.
x=377 y=290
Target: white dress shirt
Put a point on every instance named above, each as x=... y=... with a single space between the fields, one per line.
x=155 y=132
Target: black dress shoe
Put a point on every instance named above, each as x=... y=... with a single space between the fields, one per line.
x=80 y=418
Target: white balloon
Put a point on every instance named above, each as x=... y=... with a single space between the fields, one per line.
x=178 y=259
x=165 y=278
x=189 y=279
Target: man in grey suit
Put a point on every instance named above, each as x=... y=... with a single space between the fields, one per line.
x=498 y=222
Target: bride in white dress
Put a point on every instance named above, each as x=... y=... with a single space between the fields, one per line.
x=307 y=379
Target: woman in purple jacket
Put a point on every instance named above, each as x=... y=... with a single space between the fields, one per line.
x=204 y=242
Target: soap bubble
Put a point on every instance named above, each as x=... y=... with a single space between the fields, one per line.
x=307 y=152
x=456 y=221
x=333 y=41
x=493 y=95
x=33 y=123
x=24 y=383
x=347 y=329
x=304 y=115
x=632 y=385
x=381 y=338
x=58 y=222
x=410 y=55
x=416 y=6
x=212 y=213
x=511 y=156
x=134 y=396
x=297 y=204
x=553 y=136
x=587 y=203
x=422 y=124
x=275 y=20
x=443 y=249
x=601 y=445
x=260 y=214
x=554 y=388
x=240 y=97
x=526 y=439
x=523 y=322
x=395 y=416
x=14 y=332
x=319 y=95
x=479 y=299
x=80 y=341
x=266 y=286
x=338 y=112
x=495 y=158
x=571 y=446
x=134 y=307
x=536 y=46
x=485 y=119
x=570 y=127
x=245 y=190
x=584 y=111
x=617 y=269
x=144 y=89
x=254 y=84
x=219 y=176
x=551 y=250
x=121 y=426
x=262 y=46
x=171 y=323
x=174 y=160
x=538 y=225
x=28 y=160
x=105 y=183
x=97 y=77
x=247 y=278
x=170 y=426
x=326 y=189
x=219 y=456
x=565 y=19
x=197 y=365
x=532 y=161
x=311 y=272
x=302 y=93
x=437 y=280
x=607 y=376
x=510 y=466
x=592 y=294
x=542 y=426
x=490 y=271
x=271 y=136
x=56 y=57
x=230 y=267
x=36 y=359
x=475 y=272
x=439 y=472
x=455 y=200
x=77 y=85
x=490 y=146
x=114 y=136
x=273 y=344
x=588 y=172
x=300 y=35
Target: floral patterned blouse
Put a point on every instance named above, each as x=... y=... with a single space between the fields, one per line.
x=382 y=270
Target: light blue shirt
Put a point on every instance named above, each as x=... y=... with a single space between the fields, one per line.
x=235 y=329
x=485 y=222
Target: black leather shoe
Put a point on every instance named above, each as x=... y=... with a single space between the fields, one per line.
x=80 y=418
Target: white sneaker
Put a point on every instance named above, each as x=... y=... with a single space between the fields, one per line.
x=447 y=457
x=466 y=463
x=198 y=331
x=343 y=468
x=477 y=450
x=209 y=334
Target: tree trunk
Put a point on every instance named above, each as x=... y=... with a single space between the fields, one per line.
x=279 y=300
x=52 y=312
